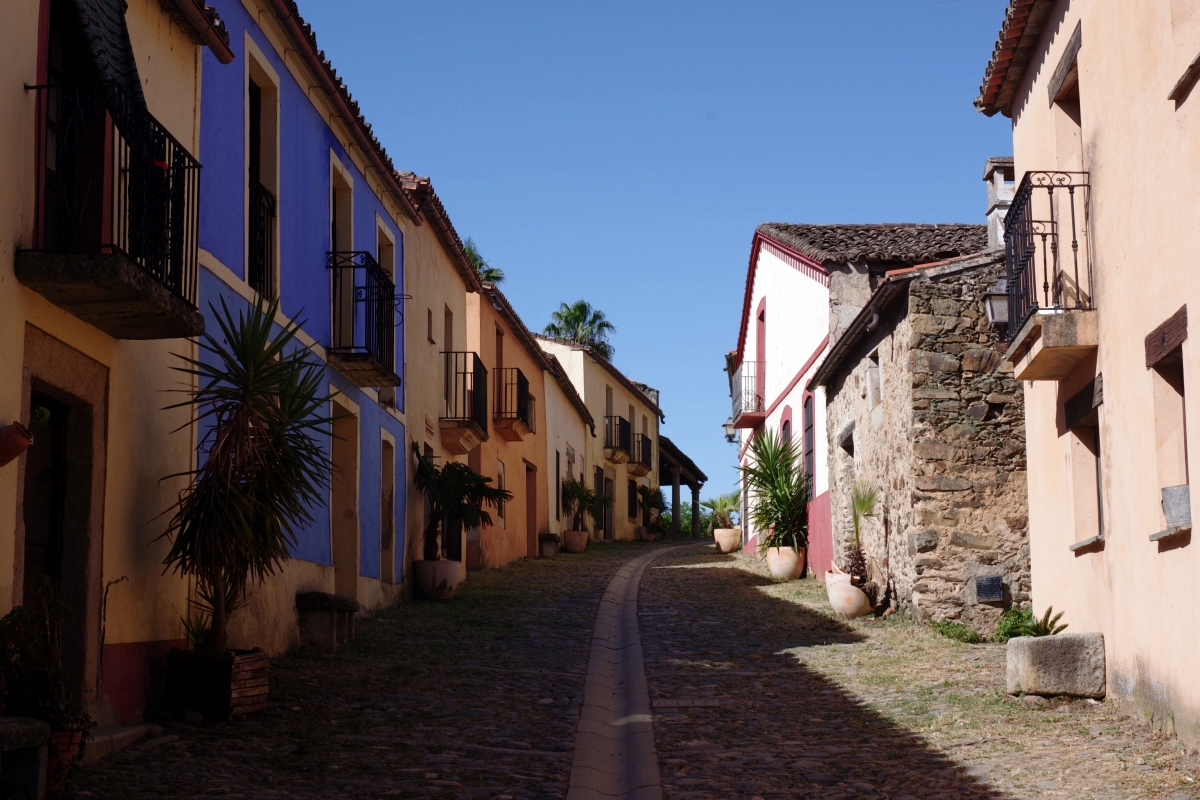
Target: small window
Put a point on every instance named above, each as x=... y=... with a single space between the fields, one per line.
x=786 y=430
x=810 y=439
x=500 y=485
x=1170 y=435
x=1082 y=417
x=557 y=485
x=874 y=382
x=429 y=325
x=633 y=500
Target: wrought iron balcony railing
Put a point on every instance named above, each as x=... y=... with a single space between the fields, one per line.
x=748 y=392
x=1047 y=246
x=113 y=180
x=514 y=403
x=466 y=380
x=641 y=458
x=364 y=319
x=618 y=436
x=260 y=271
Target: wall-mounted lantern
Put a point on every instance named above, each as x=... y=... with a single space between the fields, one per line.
x=730 y=431
x=996 y=301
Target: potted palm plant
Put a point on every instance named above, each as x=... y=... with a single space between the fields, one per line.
x=778 y=490
x=258 y=400
x=652 y=504
x=457 y=498
x=578 y=502
x=842 y=588
x=724 y=510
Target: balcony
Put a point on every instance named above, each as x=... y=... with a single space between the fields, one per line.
x=116 y=215
x=641 y=460
x=1051 y=309
x=514 y=405
x=749 y=390
x=464 y=425
x=260 y=271
x=618 y=440
x=363 y=333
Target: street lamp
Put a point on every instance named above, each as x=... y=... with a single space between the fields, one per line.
x=730 y=431
x=996 y=301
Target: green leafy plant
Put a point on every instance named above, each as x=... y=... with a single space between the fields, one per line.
x=579 y=323
x=1046 y=626
x=651 y=501
x=864 y=497
x=1012 y=622
x=40 y=418
x=725 y=509
x=957 y=631
x=32 y=678
x=579 y=503
x=258 y=400
x=458 y=496
x=778 y=491
x=486 y=271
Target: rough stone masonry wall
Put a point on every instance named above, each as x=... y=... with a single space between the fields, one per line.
x=949 y=457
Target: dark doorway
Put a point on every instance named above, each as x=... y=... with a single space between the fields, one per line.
x=45 y=486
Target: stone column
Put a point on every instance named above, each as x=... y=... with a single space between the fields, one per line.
x=675 y=510
x=696 y=511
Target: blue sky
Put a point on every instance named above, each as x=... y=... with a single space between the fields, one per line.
x=623 y=152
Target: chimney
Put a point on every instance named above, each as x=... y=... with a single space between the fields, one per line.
x=999 y=174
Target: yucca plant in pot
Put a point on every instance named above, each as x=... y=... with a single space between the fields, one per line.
x=843 y=588
x=458 y=498
x=262 y=467
x=778 y=491
x=578 y=503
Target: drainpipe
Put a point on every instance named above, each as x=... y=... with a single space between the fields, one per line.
x=205 y=29
x=289 y=20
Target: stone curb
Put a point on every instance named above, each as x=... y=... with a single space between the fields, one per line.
x=615 y=755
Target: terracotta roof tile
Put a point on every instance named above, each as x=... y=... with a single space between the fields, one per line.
x=903 y=242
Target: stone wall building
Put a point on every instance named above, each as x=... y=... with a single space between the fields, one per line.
x=922 y=405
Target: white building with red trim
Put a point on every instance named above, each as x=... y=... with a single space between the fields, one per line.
x=783 y=337
x=805 y=285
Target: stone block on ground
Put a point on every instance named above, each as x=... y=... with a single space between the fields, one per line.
x=1066 y=664
x=326 y=620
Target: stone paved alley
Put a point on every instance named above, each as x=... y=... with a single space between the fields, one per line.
x=757 y=692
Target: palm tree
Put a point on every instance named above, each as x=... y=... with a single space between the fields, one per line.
x=261 y=410
x=485 y=270
x=724 y=508
x=458 y=496
x=579 y=323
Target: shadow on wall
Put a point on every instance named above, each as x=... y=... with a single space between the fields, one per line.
x=780 y=726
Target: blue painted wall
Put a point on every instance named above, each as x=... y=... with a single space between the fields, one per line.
x=305 y=142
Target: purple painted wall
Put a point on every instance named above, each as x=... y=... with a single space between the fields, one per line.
x=302 y=217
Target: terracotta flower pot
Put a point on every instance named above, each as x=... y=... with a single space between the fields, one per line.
x=728 y=539
x=575 y=541
x=437 y=580
x=847 y=600
x=785 y=563
x=646 y=535
x=14 y=440
x=65 y=748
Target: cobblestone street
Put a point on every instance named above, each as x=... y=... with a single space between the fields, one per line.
x=757 y=692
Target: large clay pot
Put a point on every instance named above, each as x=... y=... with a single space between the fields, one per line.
x=575 y=541
x=646 y=535
x=14 y=440
x=847 y=600
x=728 y=539
x=437 y=580
x=785 y=563
x=64 y=750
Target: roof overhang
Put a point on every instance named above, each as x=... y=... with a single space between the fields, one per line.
x=1015 y=48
